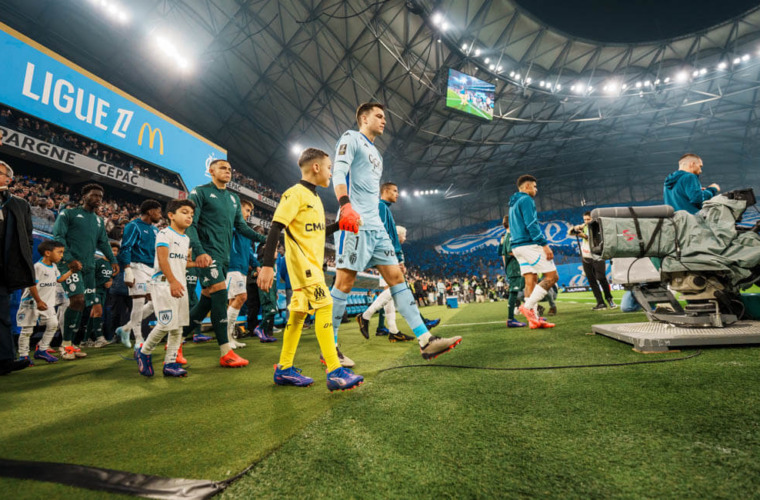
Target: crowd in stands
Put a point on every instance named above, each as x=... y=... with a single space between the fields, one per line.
x=29 y=125
x=255 y=186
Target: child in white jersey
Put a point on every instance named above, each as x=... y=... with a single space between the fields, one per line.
x=38 y=303
x=168 y=290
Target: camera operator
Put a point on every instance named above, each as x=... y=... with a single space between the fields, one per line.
x=682 y=189
x=594 y=267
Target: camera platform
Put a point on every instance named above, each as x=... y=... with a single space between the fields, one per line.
x=662 y=337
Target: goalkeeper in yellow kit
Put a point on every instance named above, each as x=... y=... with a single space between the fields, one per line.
x=301 y=216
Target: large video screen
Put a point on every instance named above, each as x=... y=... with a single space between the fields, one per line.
x=469 y=95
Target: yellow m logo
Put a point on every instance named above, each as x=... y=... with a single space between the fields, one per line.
x=152 y=133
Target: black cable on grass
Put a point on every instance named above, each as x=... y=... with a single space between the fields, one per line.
x=528 y=368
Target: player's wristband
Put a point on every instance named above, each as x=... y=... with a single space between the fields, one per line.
x=343 y=200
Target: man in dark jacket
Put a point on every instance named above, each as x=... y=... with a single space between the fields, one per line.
x=16 y=266
x=682 y=189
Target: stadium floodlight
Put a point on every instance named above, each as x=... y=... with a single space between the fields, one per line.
x=695 y=73
x=499 y=68
x=511 y=74
x=437 y=18
x=590 y=89
x=464 y=46
x=488 y=60
x=542 y=83
x=638 y=85
x=517 y=76
x=624 y=86
x=403 y=193
x=416 y=193
x=657 y=82
x=682 y=77
x=436 y=191
x=745 y=57
x=559 y=87
x=477 y=52
x=528 y=80
x=737 y=60
x=703 y=71
x=445 y=26
x=722 y=65
x=492 y=67
x=647 y=83
x=667 y=79
x=296 y=149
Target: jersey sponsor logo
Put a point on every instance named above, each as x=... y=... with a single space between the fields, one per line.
x=314 y=226
x=165 y=316
x=377 y=164
x=389 y=253
x=319 y=294
x=46 y=284
x=173 y=255
x=342 y=149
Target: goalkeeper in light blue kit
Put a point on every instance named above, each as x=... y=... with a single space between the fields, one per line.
x=363 y=241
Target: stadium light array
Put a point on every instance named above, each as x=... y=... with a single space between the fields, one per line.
x=170 y=50
x=112 y=10
x=296 y=149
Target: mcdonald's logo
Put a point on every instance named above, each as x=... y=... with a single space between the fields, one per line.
x=152 y=133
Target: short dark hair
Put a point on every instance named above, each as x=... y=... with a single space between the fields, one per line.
x=387 y=186
x=115 y=245
x=214 y=162
x=148 y=205
x=246 y=202
x=505 y=222
x=525 y=178
x=92 y=187
x=587 y=212
x=310 y=155
x=365 y=108
x=175 y=205
x=48 y=246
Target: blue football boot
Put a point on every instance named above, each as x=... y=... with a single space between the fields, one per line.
x=144 y=364
x=343 y=379
x=26 y=359
x=44 y=355
x=432 y=323
x=291 y=376
x=124 y=337
x=199 y=338
x=174 y=370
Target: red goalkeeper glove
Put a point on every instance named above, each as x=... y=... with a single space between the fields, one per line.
x=349 y=219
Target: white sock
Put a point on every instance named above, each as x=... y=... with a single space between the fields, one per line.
x=172 y=346
x=152 y=341
x=225 y=348
x=147 y=309
x=378 y=304
x=390 y=316
x=135 y=319
x=424 y=339
x=50 y=327
x=232 y=316
x=24 y=340
x=535 y=297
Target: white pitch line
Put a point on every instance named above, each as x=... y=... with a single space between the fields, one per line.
x=474 y=324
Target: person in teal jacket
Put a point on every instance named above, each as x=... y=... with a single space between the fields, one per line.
x=682 y=189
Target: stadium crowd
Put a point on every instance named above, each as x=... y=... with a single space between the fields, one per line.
x=29 y=125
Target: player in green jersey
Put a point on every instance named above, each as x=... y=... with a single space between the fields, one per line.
x=217 y=212
x=82 y=231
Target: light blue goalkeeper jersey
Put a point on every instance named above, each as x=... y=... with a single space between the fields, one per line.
x=358 y=165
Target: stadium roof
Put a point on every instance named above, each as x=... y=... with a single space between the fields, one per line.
x=268 y=74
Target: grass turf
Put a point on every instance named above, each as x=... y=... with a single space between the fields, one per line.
x=672 y=430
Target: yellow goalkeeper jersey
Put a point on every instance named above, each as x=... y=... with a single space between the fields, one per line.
x=301 y=212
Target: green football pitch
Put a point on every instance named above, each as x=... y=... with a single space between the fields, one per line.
x=453 y=101
x=683 y=429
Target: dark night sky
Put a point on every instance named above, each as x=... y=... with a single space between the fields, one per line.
x=634 y=20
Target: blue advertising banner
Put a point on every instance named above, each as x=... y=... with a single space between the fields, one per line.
x=39 y=82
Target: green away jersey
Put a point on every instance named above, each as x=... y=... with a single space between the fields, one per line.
x=103 y=272
x=82 y=232
x=217 y=212
x=512 y=267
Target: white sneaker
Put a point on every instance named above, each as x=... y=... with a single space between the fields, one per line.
x=345 y=361
x=100 y=342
